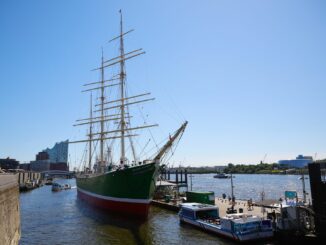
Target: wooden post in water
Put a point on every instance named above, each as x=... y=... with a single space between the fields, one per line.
x=176 y=177
x=303 y=188
x=232 y=193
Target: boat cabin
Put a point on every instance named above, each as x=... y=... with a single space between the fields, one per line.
x=244 y=223
x=239 y=227
x=200 y=211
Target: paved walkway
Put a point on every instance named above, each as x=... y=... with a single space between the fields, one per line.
x=8 y=181
x=224 y=204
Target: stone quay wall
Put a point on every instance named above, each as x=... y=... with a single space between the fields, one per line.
x=9 y=210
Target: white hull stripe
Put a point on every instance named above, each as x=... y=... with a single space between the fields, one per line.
x=115 y=199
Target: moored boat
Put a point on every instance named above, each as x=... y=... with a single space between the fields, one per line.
x=238 y=227
x=221 y=176
x=49 y=181
x=56 y=187
x=124 y=186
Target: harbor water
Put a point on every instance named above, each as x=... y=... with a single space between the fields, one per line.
x=61 y=218
x=248 y=186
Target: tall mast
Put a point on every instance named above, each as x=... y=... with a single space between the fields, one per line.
x=90 y=137
x=122 y=83
x=102 y=117
x=123 y=101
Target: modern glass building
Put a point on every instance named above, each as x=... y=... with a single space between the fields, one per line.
x=59 y=153
x=299 y=162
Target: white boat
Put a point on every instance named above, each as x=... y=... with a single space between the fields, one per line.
x=222 y=176
x=56 y=187
x=239 y=227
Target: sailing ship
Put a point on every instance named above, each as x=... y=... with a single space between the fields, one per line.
x=128 y=186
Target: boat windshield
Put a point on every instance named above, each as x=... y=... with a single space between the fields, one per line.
x=207 y=214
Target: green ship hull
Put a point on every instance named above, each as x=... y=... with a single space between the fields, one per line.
x=129 y=190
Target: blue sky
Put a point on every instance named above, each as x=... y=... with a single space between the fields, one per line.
x=249 y=76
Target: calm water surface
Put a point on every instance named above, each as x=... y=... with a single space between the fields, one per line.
x=248 y=186
x=61 y=218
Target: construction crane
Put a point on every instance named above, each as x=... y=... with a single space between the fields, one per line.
x=264 y=158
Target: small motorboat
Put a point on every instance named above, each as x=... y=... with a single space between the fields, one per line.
x=222 y=176
x=66 y=186
x=57 y=187
x=49 y=181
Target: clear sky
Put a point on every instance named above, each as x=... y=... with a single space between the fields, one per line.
x=249 y=76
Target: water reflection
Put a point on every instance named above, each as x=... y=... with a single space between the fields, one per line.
x=114 y=228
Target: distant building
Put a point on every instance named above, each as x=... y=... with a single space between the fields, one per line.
x=43 y=155
x=9 y=163
x=46 y=165
x=25 y=166
x=300 y=162
x=40 y=165
x=59 y=153
x=55 y=158
x=59 y=166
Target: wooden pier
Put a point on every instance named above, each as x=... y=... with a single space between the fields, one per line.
x=180 y=177
x=173 y=206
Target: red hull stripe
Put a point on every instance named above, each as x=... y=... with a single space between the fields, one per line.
x=116 y=199
x=135 y=209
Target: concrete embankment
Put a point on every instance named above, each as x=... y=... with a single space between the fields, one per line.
x=9 y=210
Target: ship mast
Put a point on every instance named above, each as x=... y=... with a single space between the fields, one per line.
x=119 y=104
x=122 y=83
x=102 y=117
x=90 y=137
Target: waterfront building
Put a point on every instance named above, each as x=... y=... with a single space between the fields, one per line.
x=54 y=158
x=25 y=166
x=8 y=163
x=58 y=153
x=43 y=155
x=62 y=166
x=46 y=165
x=40 y=165
x=299 y=162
